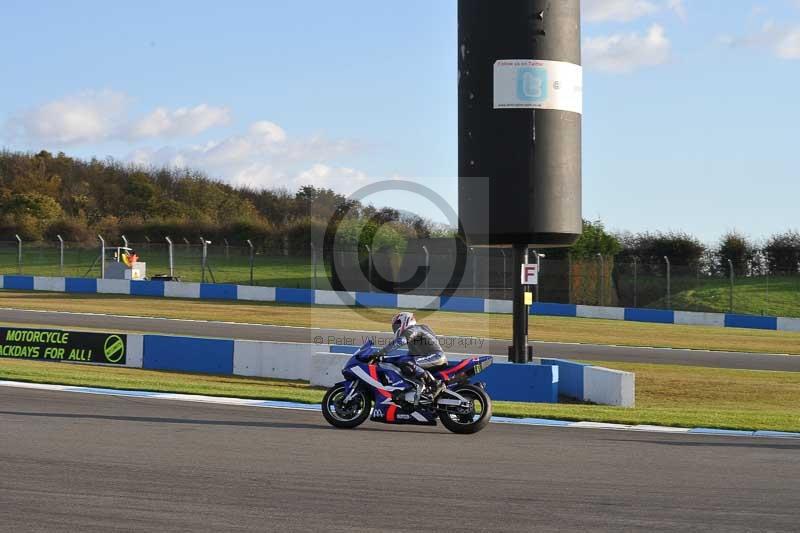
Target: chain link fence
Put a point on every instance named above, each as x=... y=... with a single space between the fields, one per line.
x=481 y=272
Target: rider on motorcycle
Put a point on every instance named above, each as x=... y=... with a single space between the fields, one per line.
x=424 y=352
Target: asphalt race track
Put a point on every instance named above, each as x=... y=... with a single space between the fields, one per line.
x=80 y=462
x=750 y=361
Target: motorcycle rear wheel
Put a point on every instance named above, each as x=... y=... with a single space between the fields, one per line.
x=345 y=416
x=474 y=421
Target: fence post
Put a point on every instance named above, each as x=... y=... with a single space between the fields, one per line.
x=669 y=283
x=538 y=257
x=314 y=263
x=503 y=253
x=474 y=271
x=635 y=282
x=569 y=278
x=252 y=258
x=227 y=249
x=171 y=263
x=147 y=243
x=369 y=263
x=60 y=255
x=19 y=254
x=427 y=266
x=125 y=241
x=730 y=295
x=602 y=277
x=187 y=243
x=102 y=257
x=203 y=259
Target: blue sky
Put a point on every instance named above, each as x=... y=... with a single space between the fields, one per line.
x=690 y=114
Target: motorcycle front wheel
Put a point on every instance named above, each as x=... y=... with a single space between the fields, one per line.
x=345 y=415
x=473 y=419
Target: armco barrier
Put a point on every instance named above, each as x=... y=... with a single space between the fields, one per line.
x=368 y=299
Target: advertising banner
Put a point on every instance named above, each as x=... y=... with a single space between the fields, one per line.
x=57 y=345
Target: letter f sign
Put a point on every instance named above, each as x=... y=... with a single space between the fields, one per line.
x=530 y=275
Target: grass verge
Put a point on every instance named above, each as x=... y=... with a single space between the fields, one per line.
x=666 y=395
x=553 y=329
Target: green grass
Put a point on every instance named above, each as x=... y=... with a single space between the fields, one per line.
x=665 y=394
x=750 y=296
x=476 y=325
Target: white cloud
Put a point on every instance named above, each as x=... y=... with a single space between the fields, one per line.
x=628 y=10
x=264 y=156
x=627 y=52
x=96 y=116
x=782 y=41
x=88 y=116
x=184 y=121
x=678 y=7
x=617 y=10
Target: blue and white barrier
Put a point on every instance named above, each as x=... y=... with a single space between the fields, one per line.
x=542 y=382
x=211 y=291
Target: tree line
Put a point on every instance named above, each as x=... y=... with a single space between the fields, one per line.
x=43 y=195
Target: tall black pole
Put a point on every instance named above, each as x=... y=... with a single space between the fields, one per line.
x=519 y=346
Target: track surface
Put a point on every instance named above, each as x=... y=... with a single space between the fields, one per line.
x=750 y=361
x=76 y=462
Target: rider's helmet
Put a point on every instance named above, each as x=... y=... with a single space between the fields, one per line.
x=402 y=321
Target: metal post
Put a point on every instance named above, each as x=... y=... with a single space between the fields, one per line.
x=503 y=252
x=147 y=241
x=730 y=296
x=125 y=241
x=171 y=257
x=314 y=263
x=203 y=259
x=187 y=243
x=252 y=258
x=635 y=282
x=427 y=266
x=19 y=254
x=474 y=271
x=227 y=249
x=102 y=257
x=538 y=256
x=569 y=278
x=60 y=254
x=369 y=262
x=602 y=293
x=669 y=283
x=519 y=347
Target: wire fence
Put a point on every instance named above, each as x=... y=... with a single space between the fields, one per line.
x=482 y=272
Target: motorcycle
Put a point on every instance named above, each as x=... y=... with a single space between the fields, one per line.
x=461 y=406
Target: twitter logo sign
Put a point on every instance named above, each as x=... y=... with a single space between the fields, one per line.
x=532 y=84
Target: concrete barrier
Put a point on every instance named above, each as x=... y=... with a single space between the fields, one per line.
x=606 y=313
x=175 y=289
x=256 y=294
x=410 y=301
x=609 y=387
x=691 y=318
x=789 y=324
x=134 y=351
x=334 y=297
x=48 y=284
x=283 y=360
x=114 y=286
x=326 y=368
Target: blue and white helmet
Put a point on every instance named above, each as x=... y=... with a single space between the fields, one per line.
x=402 y=321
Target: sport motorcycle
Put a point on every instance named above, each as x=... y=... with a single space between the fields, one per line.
x=461 y=406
